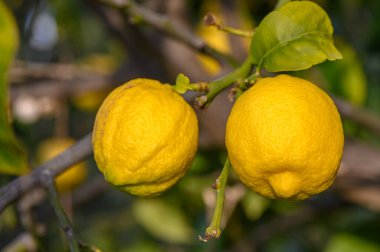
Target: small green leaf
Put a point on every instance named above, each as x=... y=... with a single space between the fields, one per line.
x=296 y=36
x=182 y=84
x=12 y=157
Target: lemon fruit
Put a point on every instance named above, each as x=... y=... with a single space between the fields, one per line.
x=145 y=137
x=73 y=176
x=284 y=138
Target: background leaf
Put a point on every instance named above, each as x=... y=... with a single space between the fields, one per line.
x=350 y=243
x=12 y=157
x=296 y=36
x=163 y=220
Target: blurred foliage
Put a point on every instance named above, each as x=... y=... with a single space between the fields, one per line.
x=12 y=156
x=71 y=32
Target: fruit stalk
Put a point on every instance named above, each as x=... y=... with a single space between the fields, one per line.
x=213 y=231
x=219 y=85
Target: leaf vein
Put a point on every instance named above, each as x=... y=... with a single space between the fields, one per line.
x=281 y=43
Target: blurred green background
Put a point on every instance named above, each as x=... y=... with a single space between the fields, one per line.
x=72 y=53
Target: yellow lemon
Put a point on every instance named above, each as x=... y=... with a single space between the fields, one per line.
x=284 y=138
x=145 y=137
x=74 y=175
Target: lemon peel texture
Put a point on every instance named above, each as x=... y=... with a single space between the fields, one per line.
x=145 y=137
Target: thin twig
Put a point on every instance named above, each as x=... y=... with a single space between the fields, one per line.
x=211 y=20
x=54 y=80
x=359 y=115
x=15 y=189
x=75 y=244
x=169 y=27
x=62 y=217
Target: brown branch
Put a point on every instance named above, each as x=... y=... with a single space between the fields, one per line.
x=41 y=175
x=362 y=116
x=54 y=80
x=169 y=27
x=64 y=220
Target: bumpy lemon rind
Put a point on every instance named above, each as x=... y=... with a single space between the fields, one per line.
x=145 y=137
x=285 y=138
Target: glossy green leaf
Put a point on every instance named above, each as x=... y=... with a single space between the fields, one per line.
x=12 y=157
x=296 y=36
x=163 y=220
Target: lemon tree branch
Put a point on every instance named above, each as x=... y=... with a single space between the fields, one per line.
x=75 y=244
x=217 y=86
x=213 y=231
x=169 y=27
x=22 y=185
x=359 y=115
x=62 y=217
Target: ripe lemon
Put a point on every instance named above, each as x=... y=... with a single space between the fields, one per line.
x=145 y=137
x=284 y=138
x=73 y=176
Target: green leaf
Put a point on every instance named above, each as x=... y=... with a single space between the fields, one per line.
x=182 y=84
x=163 y=220
x=296 y=36
x=346 y=78
x=254 y=205
x=12 y=157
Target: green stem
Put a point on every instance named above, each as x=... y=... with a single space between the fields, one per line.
x=219 y=85
x=213 y=231
x=199 y=86
x=62 y=217
x=210 y=20
x=234 y=31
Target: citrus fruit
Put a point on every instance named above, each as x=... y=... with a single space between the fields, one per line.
x=284 y=138
x=145 y=137
x=74 y=175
